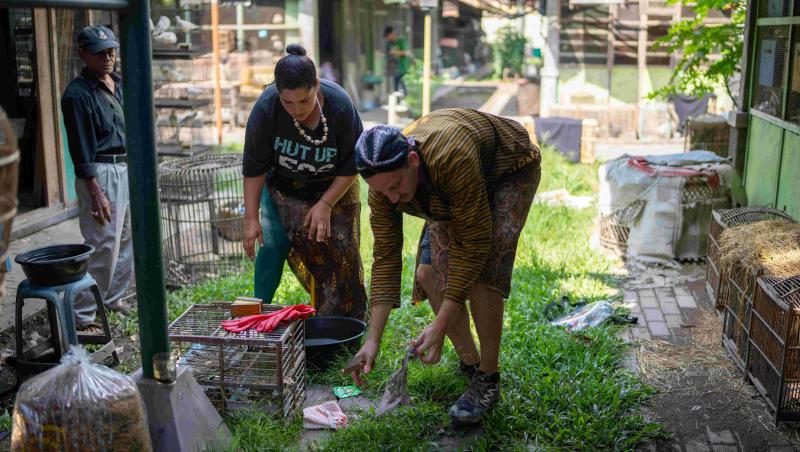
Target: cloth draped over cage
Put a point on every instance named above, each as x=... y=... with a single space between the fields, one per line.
x=658 y=208
x=265 y=323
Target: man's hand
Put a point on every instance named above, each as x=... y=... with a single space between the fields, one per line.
x=318 y=221
x=252 y=232
x=429 y=344
x=101 y=208
x=366 y=356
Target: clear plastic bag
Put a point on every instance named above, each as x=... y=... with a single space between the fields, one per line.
x=79 y=406
x=592 y=314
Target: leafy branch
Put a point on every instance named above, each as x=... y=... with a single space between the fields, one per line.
x=708 y=54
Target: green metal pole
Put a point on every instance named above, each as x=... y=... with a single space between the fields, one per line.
x=143 y=181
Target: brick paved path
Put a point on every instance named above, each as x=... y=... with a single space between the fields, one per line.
x=668 y=314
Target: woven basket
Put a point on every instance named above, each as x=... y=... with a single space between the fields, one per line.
x=614 y=228
x=9 y=162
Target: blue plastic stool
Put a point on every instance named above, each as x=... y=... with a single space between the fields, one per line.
x=61 y=317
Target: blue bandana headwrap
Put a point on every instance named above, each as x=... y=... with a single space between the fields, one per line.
x=381 y=149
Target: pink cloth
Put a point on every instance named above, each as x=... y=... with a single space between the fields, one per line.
x=326 y=415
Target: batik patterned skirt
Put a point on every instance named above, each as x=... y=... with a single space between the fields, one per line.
x=331 y=271
x=510 y=202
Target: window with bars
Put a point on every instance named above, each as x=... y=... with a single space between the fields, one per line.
x=793 y=98
x=773 y=8
x=775 y=75
x=770 y=61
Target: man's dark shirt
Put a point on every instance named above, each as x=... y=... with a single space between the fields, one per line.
x=93 y=124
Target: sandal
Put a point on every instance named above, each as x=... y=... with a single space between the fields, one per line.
x=120 y=307
x=89 y=328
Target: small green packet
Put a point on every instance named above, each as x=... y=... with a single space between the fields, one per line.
x=343 y=392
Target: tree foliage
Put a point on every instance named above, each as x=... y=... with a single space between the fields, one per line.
x=509 y=52
x=708 y=54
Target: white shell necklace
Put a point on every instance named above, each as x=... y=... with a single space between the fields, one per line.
x=324 y=128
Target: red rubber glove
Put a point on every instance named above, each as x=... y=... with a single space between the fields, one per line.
x=265 y=323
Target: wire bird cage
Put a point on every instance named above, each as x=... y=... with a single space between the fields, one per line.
x=202 y=213
x=722 y=219
x=707 y=132
x=242 y=370
x=9 y=165
x=191 y=26
x=774 y=353
x=183 y=131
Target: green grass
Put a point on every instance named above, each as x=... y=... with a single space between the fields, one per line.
x=559 y=392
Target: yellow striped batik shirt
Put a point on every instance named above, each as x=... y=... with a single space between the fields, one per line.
x=457 y=146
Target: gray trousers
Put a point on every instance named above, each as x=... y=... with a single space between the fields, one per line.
x=111 y=265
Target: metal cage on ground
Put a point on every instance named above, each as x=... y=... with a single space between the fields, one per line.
x=202 y=210
x=242 y=370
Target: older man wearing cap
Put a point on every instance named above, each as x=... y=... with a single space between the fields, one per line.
x=95 y=124
x=472 y=176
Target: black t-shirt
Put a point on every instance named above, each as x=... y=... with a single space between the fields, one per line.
x=272 y=142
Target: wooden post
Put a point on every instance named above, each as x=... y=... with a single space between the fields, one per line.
x=217 y=75
x=426 y=67
x=676 y=17
x=611 y=40
x=48 y=127
x=55 y=70
x=641 y=59
x=641 y=55
x=548 y=93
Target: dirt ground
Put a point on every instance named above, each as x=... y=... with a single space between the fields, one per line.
x=702 y=397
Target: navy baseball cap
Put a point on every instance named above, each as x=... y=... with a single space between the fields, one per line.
x=97 y=38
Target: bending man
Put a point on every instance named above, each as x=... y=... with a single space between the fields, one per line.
x=472 y=176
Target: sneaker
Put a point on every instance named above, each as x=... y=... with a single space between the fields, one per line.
x=482 y=394
x=468 y=370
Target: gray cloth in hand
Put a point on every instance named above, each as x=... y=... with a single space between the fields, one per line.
x=395 y=393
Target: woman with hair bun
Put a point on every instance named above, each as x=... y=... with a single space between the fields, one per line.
x=300 y=139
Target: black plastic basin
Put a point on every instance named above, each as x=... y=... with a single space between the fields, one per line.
x=55 y=265
x=328 y=336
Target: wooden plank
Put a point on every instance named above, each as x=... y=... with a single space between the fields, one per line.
x=641 y=54
x=676 y=17
x=788 y=189
x=48 y=128
x=55 y=70
x=612 y=16
x=762 y=170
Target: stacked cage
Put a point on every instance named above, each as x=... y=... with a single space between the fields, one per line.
x=182 y=75
x=737 y=288
x=177 y=31
x=773 y=363
x=247 y=370
x=202 y=213
x=722 y=219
